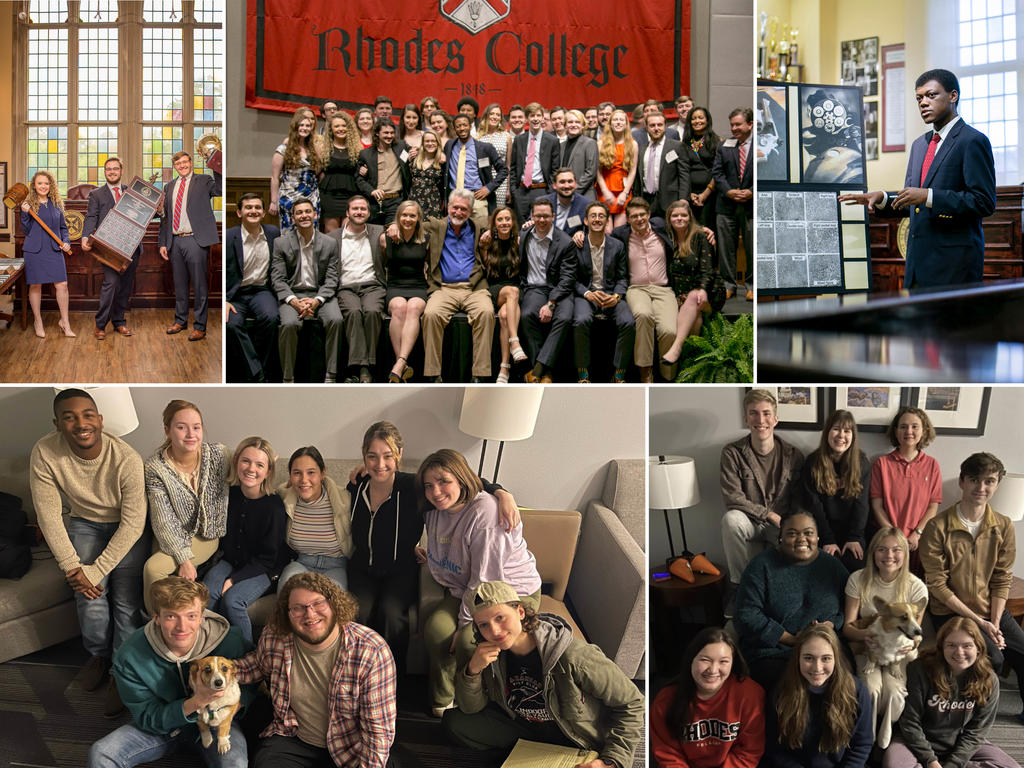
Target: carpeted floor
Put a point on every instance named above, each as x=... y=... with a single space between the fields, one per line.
x=48 y=721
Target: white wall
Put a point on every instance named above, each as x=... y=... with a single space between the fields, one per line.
x=698 y=421
x=579 y=429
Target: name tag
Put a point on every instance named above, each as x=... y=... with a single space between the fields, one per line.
x=671 y=157
x=573 y=221
x=404 y=157
x=483 y=162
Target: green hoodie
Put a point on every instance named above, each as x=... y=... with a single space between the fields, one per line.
x=153 y=682
x=590 y=698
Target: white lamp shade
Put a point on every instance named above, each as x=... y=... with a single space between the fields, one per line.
x=500 y=413
x=1009 y=496
x=115 y=405
x=673 y=482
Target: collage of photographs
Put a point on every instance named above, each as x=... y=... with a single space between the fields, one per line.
x=707 y=321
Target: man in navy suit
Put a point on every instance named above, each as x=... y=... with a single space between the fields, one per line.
x=187 y=231
x=733 y=172
x=547 y=267
x=249 y=295
x=476 y=166
x=117 y=286
x=570 y=206
x=950 y=188
x=669 y=166
x=543 y=162
x=602 y=277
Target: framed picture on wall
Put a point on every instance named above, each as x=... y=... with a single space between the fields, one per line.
x=859 y=64
x=770 y=119
x=873 y=408
x=832 y=135
x=800 y=407
x=954 y=410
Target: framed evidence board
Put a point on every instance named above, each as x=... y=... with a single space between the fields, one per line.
x=810 y=149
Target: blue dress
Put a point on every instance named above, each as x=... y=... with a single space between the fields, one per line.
x=44 y=260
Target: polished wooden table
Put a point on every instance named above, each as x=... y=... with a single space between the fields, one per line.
x=15 y=284
x=957 y=334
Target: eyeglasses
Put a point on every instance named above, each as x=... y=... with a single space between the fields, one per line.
x=317 y=606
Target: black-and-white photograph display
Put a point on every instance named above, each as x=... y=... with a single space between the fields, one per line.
x=772 y=134
x=870 y=130
x=860 y=64
x=798 y=241
x=831 y=135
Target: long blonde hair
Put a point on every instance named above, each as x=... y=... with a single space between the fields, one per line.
x=606 y=152
x=868 y=574
x=54 y=196
x=352 y=142
x=683 y=243
x=421 y=156
x=294 y=145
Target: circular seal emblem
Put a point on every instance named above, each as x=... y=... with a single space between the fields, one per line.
x=902 y=231
x=76 y=222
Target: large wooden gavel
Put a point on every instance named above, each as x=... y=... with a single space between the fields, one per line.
x=15 y=196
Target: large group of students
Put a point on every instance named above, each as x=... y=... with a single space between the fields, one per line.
x=544 y=217
x=803 y=678
x=344 y=564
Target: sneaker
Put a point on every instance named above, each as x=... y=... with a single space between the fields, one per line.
x=112 y=704
x=94 y=673
x=439 y=711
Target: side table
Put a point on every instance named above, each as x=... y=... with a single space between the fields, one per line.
x=668 y=596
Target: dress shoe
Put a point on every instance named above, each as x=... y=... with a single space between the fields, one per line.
x=176 y=328
x=94 y=673
x=196 y=335
x=124 y=330
x=112 y=704
x=730 y=293
x=99 y=333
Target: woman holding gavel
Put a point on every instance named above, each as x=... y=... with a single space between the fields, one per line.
x=44 y=262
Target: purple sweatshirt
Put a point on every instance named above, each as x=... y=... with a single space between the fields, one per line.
x=470 y=547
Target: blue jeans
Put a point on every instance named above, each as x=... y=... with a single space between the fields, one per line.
x=235 y=604
x=108 y=620
x=128 y=746
x=334 y=568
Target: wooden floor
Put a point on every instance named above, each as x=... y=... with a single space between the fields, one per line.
x=148 y=356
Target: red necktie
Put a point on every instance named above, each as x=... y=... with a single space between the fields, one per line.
x=531 y=154
x=179 y=200
x=933 y=145
x=117 y=195
x=743 y=158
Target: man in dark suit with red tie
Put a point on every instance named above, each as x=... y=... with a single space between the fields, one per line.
x=950 y=188
x=187 y=231
x=533 y=162
x=117 y=286
x=249 y=294
x=734 y=182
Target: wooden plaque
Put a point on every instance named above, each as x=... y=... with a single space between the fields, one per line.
x=118 y=236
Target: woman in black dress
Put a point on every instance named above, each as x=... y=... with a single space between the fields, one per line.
x=696 y=283
x=407 y=285
x=338 y=183
x=500 y=259
x=427 y=171
x=701 y=145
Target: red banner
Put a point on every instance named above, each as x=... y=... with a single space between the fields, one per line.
x=571 y=52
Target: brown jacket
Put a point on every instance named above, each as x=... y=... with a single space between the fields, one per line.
x=436 y=229
x=743 y=482
x=974 y=570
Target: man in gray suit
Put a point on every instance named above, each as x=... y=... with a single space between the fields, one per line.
x=361 y=287
x=304 y=272
x=579 y=152
x=187 y=230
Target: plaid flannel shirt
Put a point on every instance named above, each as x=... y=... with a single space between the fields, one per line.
x=362 y=696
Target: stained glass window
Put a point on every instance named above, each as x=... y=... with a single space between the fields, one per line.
x=199 y=164
x=161 y=74
x=48 y=11
x=209 y=12
x=97 y=73
x=48 y=75
x=208 y=90
x=95 y=144
x=162 y=11
x=159 y=143
x=48 y=150
x=98 y=11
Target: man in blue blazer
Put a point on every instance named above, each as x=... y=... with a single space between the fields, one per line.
x=950 y=188
x=117 y=286
x=249 y=295
x=602 y=277
x=187 y=231
x=734 y=184
x=483 y=170
x=570 y=206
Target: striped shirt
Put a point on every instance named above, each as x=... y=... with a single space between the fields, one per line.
x=313 y=531
x=362 y=702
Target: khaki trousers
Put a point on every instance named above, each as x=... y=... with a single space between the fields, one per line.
x=654 y=310
x=442 y=304
x=161 y=565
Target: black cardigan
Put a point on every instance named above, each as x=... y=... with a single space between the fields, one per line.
x=254 y=541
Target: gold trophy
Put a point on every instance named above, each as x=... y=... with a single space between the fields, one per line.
x=209 y=148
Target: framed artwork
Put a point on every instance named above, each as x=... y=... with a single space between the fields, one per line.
x=894 y=109
x=772 y=130
x=873 y=408
x=799 y=243
x=3 y=191
x=832 y=135
x=859 y=64
x=870 y=130
x=954 y=410
x=800 y=407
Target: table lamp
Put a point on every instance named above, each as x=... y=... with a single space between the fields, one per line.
x=499 y=413
x=1009 y=496
x=115 y=405
x=673 y=485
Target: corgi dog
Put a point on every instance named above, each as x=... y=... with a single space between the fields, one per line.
x=893 y=629
x=218 y=674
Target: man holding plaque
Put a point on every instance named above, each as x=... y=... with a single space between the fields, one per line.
x=117 y=286
x=187 y=231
